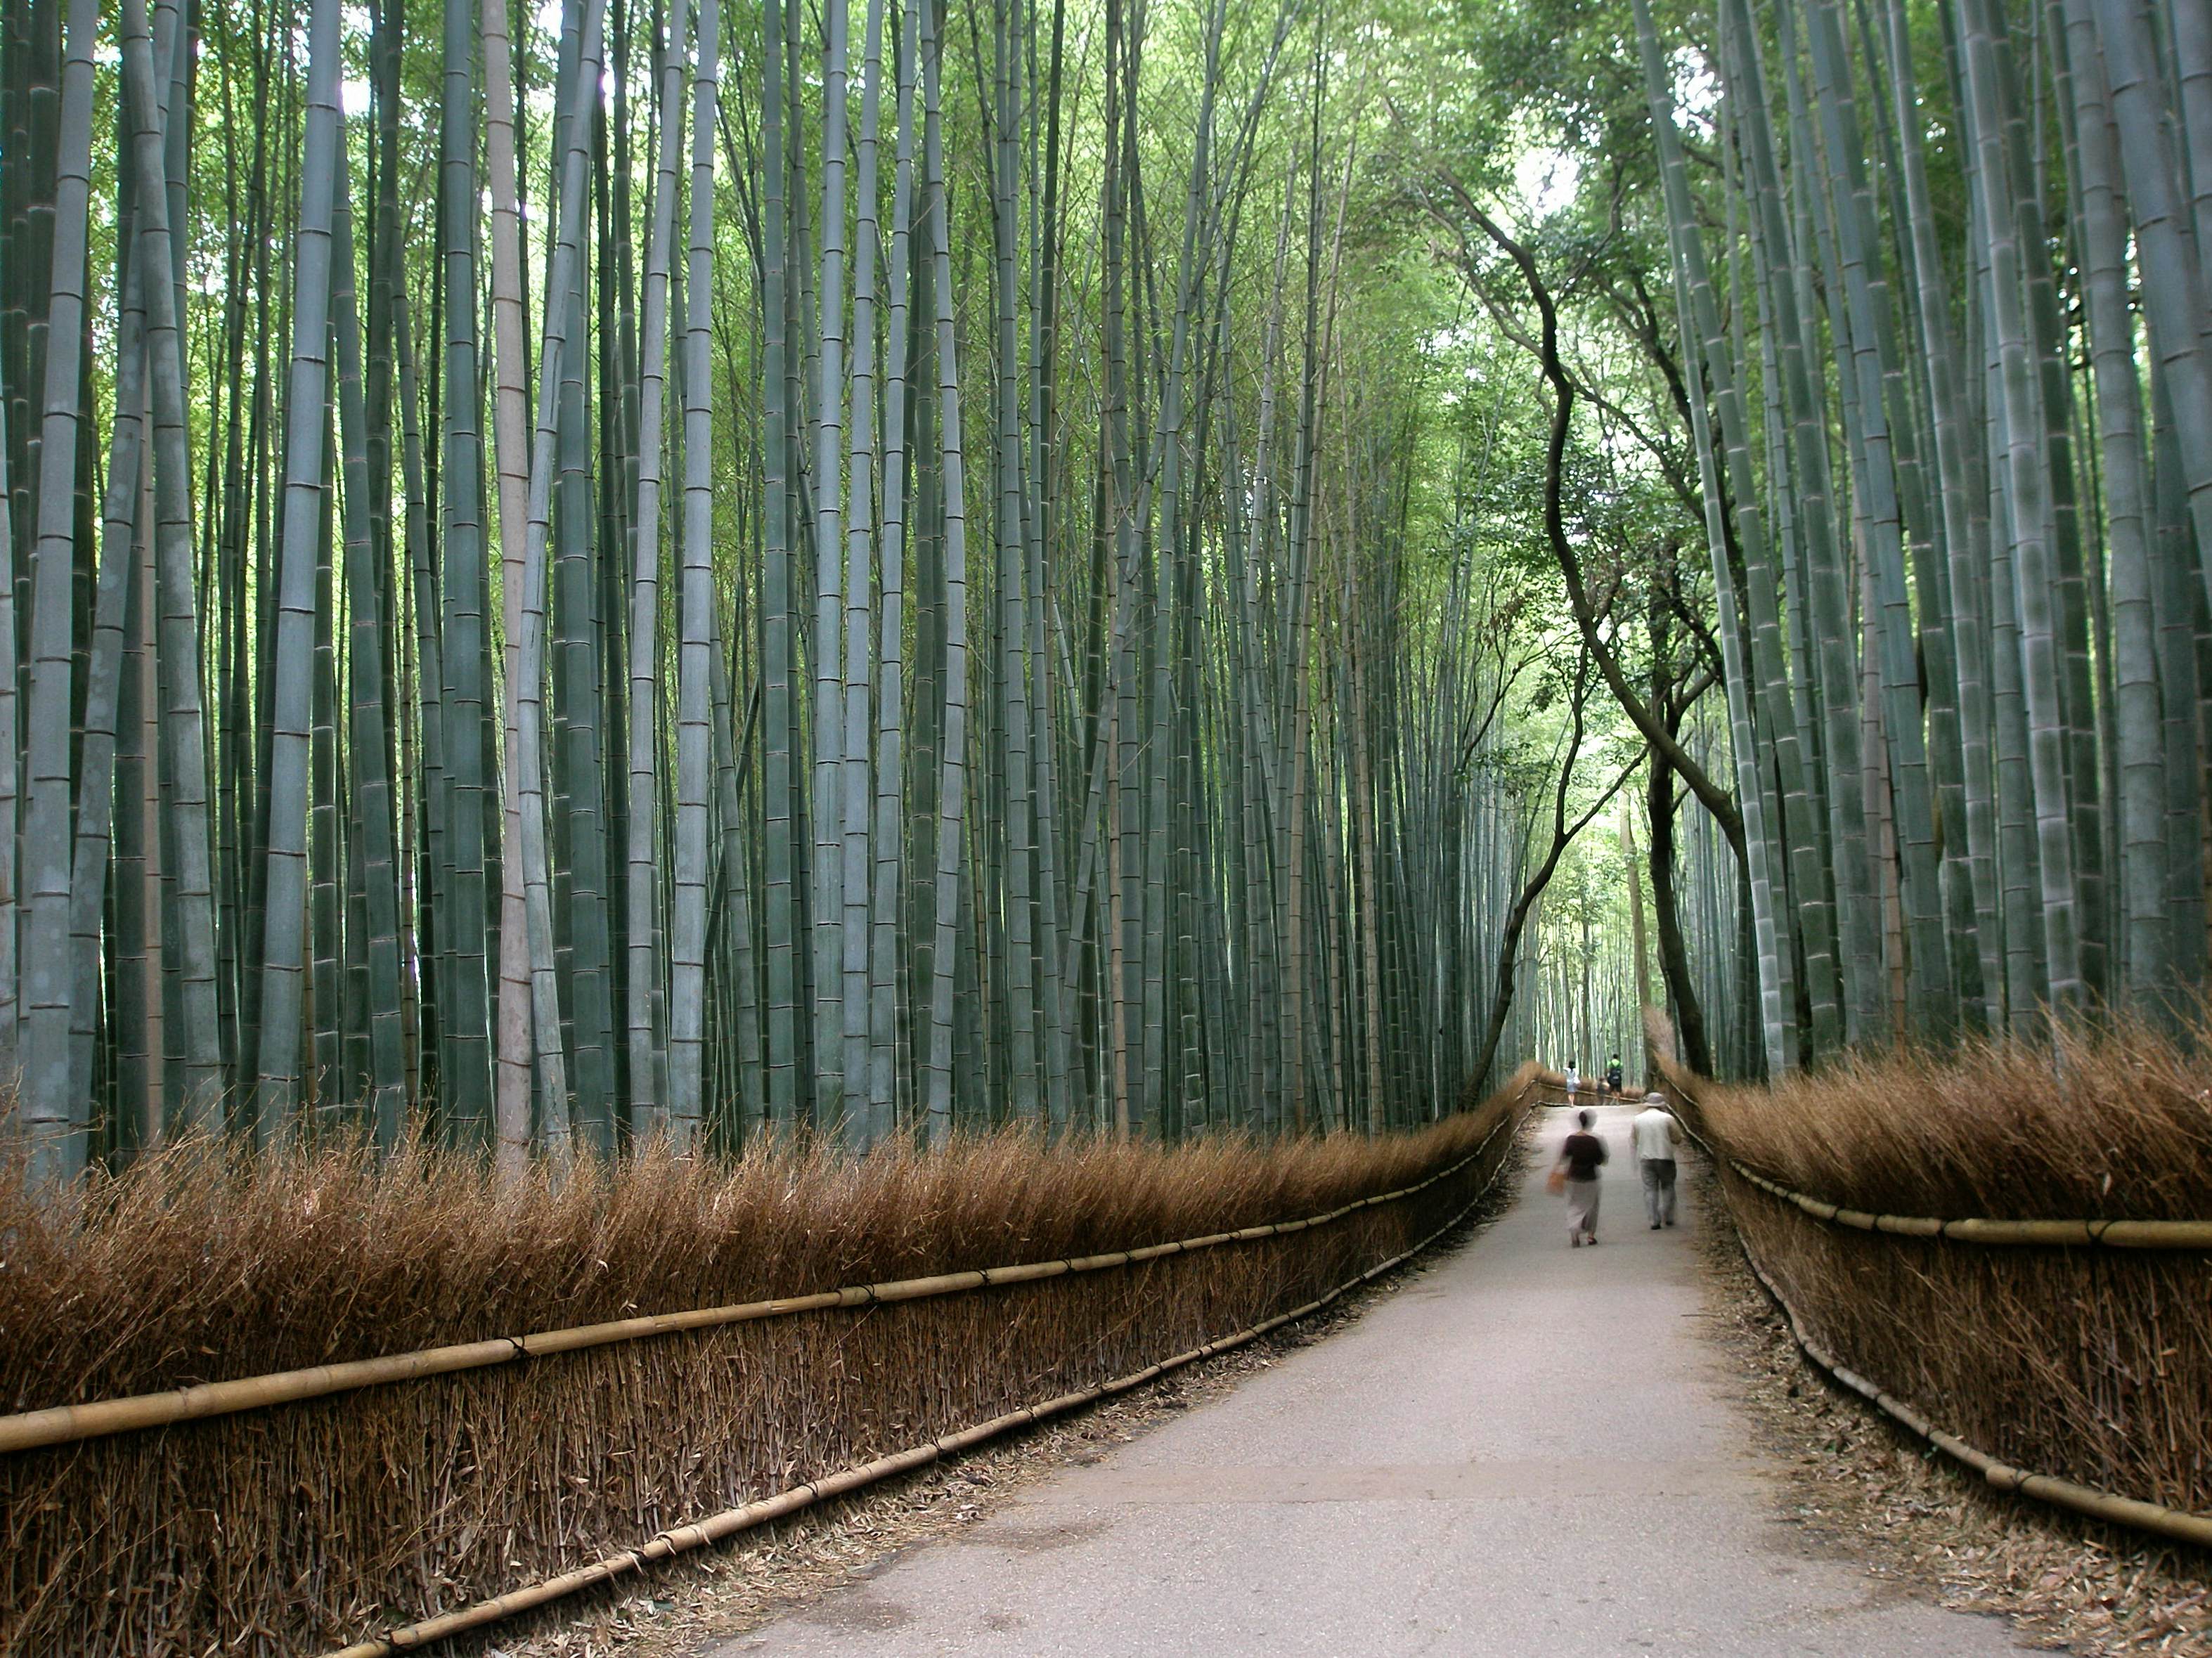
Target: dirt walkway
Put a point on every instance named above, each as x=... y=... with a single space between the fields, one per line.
x=1531 y=1452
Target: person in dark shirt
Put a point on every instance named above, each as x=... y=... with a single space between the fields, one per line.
x=1581 y=1156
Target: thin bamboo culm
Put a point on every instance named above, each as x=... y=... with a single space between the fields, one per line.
x=682 y=660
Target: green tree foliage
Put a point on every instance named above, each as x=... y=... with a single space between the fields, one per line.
x=1934 y=337
x=977 y=600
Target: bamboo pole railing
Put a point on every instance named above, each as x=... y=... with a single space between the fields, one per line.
x=2060 y=1233
x=62 y=1424
x=718 y=1527
x=2044 y=1234
x=2176 y=1523
x=2157 y=1518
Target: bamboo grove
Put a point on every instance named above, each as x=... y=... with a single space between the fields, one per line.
x=1942 y=303
x=657 y=570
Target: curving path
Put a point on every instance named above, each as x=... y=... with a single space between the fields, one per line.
x=1528 y=1451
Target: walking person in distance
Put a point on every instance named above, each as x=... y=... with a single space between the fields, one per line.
x=1656 y=1134
x=1580 y=1157
x=1574 y=1081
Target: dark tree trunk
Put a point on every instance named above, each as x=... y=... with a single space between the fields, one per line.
x=1674 y=956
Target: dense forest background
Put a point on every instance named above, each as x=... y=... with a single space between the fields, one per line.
x=636 y=569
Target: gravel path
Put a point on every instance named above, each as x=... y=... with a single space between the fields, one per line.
x=1529 y=1451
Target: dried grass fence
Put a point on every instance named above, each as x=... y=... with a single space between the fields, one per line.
x=295 y=1529
x=2087 y=1360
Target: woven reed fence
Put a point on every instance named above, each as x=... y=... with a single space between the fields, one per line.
x=2087 y=1362
x=302 y=1527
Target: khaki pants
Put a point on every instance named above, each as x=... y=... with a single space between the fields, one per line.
x=1582 y=1207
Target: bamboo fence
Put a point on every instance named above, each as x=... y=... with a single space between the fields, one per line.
x=287 y=1512
x=2079 y=1346
x=720 y=1527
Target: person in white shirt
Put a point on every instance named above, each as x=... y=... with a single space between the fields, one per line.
x=1656 y=1134
x=1574 y=1081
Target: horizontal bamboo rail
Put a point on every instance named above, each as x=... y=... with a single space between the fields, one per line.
x=2061 y=1233
x=2045 y=1234
x=717 y=1528
x=2155 y=1517
x=2176 y=1523
x=62 y=1424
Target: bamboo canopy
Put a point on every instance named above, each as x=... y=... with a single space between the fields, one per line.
x=637 y=571
x=617 y=573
